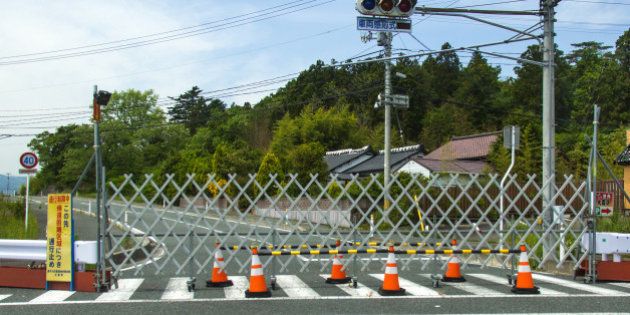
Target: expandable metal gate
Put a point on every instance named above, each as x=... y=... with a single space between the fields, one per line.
x=170 y=226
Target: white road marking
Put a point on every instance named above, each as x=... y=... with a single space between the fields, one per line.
x=237 y=291
x=52 y=296
x=619 y=284
x=295 y=287
x=411 y=287
x=360 y=291
x=470 y=287
x=177 y=289
x=578 y=286
x=4 y=296
x=503 y=281
x=126 y=288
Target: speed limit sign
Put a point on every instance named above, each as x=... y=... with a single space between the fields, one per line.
x=28 y=160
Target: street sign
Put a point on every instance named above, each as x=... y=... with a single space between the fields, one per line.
x=604 y=204
x=59 y=241
x=375 y=24
x=507 y=137
x=28 y=160
x=27 y=171
x=397 y=100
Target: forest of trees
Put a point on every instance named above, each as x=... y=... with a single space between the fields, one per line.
x=328 y=108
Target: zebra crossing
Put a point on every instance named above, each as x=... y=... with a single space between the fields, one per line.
x=479 y=285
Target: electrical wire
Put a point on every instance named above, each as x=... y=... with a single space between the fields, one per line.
x=230 y=25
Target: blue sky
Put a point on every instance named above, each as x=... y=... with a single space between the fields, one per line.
x=57 y=92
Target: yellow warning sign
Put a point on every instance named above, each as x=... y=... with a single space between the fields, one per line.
x=59 y=239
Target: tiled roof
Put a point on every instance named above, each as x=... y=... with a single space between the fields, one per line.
x=398 y=157
x=443 y=166
x=337 y=158
x=624 y=157
x=473 y=147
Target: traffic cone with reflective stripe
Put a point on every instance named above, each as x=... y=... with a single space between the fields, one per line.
x=338 y=274
x=524 y=281
x=453 y=272
x=390 y=281
x=219 y=277
x=257 y=285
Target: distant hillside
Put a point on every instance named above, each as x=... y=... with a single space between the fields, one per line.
x=11 y=183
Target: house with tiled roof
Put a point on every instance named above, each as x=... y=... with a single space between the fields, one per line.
x=462 y=155
x=364 y=161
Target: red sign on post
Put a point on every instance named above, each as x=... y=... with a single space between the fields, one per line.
x=604 y=203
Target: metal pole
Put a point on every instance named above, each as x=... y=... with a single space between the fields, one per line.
x=548 y=100
x=97 y=172
x=502 y=184
x=387 y=43
x=593 y=232
x=28 y=183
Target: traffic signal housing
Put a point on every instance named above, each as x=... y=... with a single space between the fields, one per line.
x=392 y=8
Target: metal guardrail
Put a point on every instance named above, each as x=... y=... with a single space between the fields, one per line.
x=35 y=250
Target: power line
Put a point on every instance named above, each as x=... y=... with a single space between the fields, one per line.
x=230 y=25
x=599 y=2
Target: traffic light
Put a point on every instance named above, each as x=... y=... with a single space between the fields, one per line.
x=393 y=8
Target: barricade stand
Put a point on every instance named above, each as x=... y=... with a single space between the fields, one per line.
x=524 y=283
x=338 y=274
x=257 y=285
x=453 y=272
x=391 y=285
x=219 y=276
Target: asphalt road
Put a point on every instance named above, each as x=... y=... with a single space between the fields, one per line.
x=301 y=287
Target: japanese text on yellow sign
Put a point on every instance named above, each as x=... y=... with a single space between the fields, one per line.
x=58 y=239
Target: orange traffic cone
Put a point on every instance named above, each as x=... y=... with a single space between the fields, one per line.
x=257 y=285
x=338 y=275
x=453 y=273
x=390 y=281
x=524 y=281
x=219 y=277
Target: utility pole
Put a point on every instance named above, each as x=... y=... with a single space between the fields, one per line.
x=96 y=117
x=549 y=128
x=385 y=40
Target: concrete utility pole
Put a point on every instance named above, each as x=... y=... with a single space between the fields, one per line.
x=385 y=40
x=549 y=127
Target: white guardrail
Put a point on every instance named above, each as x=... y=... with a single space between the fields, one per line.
x=35 y=250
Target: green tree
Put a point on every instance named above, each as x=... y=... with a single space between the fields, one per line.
x=193 y=110
x=133 y=108
x=441 y=123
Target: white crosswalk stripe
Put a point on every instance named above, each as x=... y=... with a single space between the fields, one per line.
x=360 y=291
x=177 y=289
x=126 y=288
x=4 y=296
x=52 y=296
x=619 y=284
x=503 y=281
x=470 y=287
x=576 y=285
x=411 y=287
x=295 y=287
x=237 y=291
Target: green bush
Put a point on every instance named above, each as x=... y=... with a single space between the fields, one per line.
x=616 y=223
x=12 y=221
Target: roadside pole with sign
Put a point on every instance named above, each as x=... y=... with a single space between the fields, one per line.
x=29 y=161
